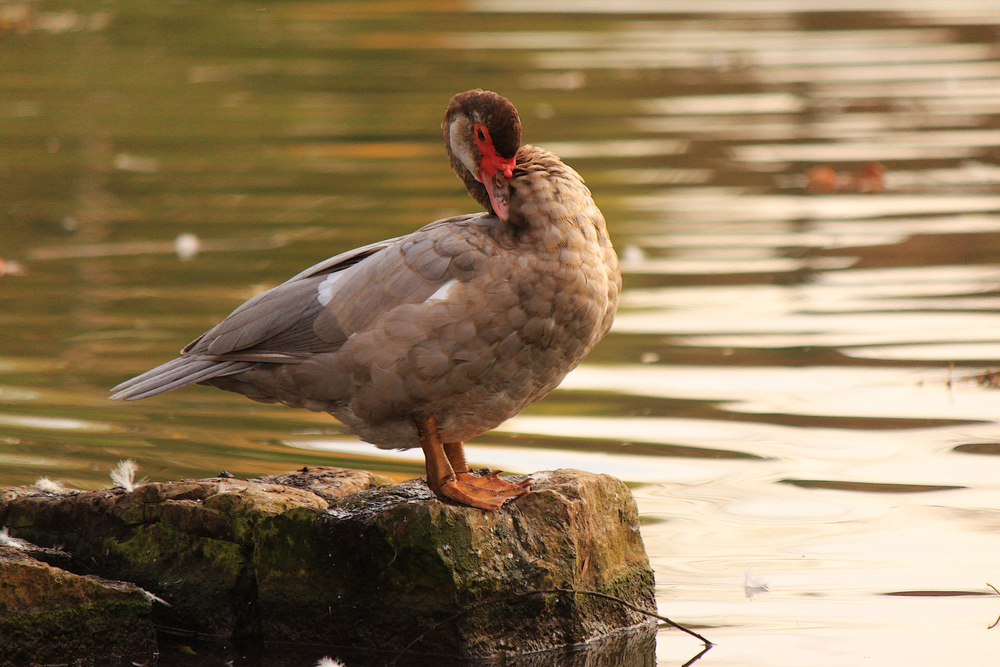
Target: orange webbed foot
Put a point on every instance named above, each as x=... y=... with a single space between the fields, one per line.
x=472 y=495
x=488 y=492
x=493 y=482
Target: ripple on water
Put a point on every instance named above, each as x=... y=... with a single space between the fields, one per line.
x=27 y=365
x=17 y=394
x=809 y=331
x=781 y=509
x=34 y=461
x=53 y=423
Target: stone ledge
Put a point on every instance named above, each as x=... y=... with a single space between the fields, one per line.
x=50 y=616
x=340 y=557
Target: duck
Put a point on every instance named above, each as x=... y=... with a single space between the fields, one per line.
x=436 y=337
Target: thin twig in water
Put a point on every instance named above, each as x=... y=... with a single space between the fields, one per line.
x=631 y=606
x=547 y=591
x=949 y=383
x=998 y=617
x=698 y=657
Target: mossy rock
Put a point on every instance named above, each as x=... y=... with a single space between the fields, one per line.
x=50 y=616
x=339 y=557
x=190 y=541
x=379 y=568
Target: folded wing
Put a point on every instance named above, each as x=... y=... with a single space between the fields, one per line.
x=316 y=310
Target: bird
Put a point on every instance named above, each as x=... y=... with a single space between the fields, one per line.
x=438 y=336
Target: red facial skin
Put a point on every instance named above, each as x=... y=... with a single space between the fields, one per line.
x=494 y=171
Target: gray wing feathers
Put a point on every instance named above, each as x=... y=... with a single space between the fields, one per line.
x=424 y=261
x=262 y=318
x=343 y=260
x=280 y=309
x=173 y=374
x=289 y=323
x=406 y=272
x=365 y=292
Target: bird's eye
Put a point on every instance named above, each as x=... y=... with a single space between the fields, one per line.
x=480 y=134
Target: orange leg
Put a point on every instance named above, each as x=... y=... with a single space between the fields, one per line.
x=461 y=485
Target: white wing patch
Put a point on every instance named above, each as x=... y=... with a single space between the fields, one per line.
x=324 y=292
x=443 y=292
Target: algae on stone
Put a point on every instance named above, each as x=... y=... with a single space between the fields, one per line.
x=379 y=569
x=50 y=616
x=338 y=557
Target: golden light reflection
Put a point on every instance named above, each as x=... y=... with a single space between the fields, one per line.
x=787 y=385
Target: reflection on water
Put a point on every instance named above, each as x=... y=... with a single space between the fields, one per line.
x=787 y=384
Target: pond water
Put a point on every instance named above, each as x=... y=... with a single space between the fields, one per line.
x=804 y=195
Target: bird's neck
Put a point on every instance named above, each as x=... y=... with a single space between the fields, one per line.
x=547 y=195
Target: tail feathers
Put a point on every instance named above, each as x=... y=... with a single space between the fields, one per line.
x=177 y=373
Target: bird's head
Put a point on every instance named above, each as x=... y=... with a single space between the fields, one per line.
x=482 y=133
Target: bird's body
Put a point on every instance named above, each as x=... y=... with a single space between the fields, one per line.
x=437 y=336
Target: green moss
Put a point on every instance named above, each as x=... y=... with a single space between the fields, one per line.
x=159 y=550
x=109 y=628
x=377 y=567
x=66 y=618
x=286 y=543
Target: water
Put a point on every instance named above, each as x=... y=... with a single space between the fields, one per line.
x=787 y=386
